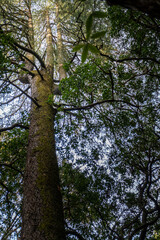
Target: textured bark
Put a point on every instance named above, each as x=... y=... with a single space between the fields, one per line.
x=42 y=203
x=152 y=7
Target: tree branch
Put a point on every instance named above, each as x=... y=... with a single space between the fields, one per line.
x=73 y=232
x=4 y=186
x=24 y=69
x=86 y=107
x=10 y=166
x=13 y=126
x=14 y=43
x=32 y=52
x=130 y=59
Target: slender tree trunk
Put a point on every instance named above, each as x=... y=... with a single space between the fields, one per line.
x=28 y=58
x=60 y=57
x=30 y=37
x=50 y=49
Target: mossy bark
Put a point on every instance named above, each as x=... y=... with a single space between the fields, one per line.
x=42 y=204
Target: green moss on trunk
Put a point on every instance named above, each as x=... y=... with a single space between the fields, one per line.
x=42 y=197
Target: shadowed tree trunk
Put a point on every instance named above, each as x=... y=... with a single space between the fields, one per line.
x=152 y=7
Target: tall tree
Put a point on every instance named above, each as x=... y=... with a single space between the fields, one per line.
x=42 y=216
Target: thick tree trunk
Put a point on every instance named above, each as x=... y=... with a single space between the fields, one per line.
x=42 y=204
x=152 y=7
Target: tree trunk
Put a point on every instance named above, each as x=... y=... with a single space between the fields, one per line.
x=49 y=49
x=152 y=7
x=42 y=213
x=28 y=58
x=60 y=57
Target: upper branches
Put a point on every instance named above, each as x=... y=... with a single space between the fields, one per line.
x=14 y=44
x=28 y=50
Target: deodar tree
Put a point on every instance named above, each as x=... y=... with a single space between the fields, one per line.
x=103 y=125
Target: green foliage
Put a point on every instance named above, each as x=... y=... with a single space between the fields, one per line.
x=99 y=14
x=89 y=27
x=85 y=53
x=129 y=122
x=93 y=49
x=86 y=79
x=89 y=24
x=156 y=235
x=86 y=47
x=98 y=34
x=90 y=19
x=66 y=66
x=50 y=99
x=78 y=47
x=12 y=159
x=6 y=50
x=82 y=197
